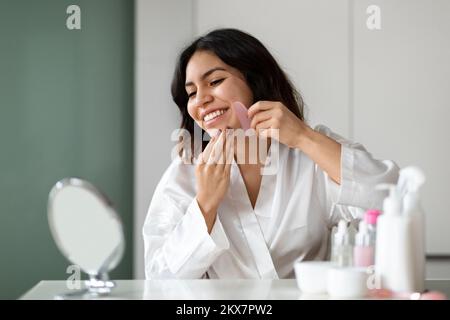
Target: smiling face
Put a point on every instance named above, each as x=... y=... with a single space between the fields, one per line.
x=212 y=87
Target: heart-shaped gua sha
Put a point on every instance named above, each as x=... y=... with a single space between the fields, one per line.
x=241 y=112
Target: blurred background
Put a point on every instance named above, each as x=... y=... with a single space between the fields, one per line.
x=95 y=103
x=66 y=101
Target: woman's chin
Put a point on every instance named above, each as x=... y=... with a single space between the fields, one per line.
x=226 y=126
x=212 y=131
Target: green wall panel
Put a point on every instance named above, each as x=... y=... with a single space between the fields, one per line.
x=66 y=109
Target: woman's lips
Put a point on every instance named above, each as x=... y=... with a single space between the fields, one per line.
x=209 y=124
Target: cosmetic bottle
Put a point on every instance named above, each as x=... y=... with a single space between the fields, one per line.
x=413 y=268
x=371 y=217
x=400 y=242
x=388 y=240
x=363 y=251
x=342 y=249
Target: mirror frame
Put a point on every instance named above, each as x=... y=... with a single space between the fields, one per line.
x=99 y=282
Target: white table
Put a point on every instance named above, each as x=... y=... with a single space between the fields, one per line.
x=202 y=290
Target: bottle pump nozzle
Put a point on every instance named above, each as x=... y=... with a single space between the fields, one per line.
x=342 y=236
x=392 y=203
x=410 y=180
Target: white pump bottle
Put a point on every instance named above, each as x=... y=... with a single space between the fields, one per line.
x=400 y=253
x=410 y=180
x=388 y=225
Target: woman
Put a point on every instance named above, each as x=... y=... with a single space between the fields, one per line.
x=223 y=219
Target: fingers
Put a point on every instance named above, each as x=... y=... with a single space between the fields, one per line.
x=225 y=157
x=260 y=117
x=217 y=149
x=204 y=156
x=229 y=152
x=220 y=150
x=213 y=132
x=259 y=106
x=223 y=150
x=263 y=128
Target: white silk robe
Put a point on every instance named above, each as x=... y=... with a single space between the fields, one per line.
x=292 y=219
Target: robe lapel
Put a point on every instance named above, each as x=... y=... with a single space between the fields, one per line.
x=250 y=225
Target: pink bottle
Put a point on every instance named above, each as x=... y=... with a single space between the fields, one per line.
x=370 y=218
x=364 y=249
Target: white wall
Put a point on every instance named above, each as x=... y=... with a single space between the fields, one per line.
x=308 y=38
x=366 y=85
x=402 y=94
x=162 y=29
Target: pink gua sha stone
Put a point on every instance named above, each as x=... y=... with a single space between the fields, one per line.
x=241 y=112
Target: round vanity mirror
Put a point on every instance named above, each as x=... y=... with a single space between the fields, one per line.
x=87 y=230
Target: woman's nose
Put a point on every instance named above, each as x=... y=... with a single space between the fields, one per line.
x=203 y=97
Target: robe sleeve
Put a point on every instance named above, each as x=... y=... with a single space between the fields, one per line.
x=176 y=239
x=360 y=174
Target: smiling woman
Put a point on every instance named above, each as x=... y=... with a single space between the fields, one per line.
x=240 y=61
x=223 y=82
x=223 y=219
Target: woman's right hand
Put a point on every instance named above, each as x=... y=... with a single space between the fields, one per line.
x=213 y=175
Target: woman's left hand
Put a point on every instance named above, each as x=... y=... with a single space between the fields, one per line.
x=275 y=115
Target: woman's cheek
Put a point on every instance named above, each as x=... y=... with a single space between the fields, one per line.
x=227 y=93
x=191 y=111
x=233 y=93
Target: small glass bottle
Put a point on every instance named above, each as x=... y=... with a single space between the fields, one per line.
x=363 y=252
x=370 y=218
x=342 y=250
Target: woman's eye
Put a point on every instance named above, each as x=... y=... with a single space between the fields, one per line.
x=216 y=82
x=190 y=95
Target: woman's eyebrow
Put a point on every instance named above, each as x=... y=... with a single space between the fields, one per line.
x=207 y=73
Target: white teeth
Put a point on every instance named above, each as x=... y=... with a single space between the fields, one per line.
x=213 y=115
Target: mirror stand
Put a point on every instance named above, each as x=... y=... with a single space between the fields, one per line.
x=97 y=285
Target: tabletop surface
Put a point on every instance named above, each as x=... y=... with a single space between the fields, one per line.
x=201 y=290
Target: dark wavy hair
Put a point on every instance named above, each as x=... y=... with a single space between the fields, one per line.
x=247 y=54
